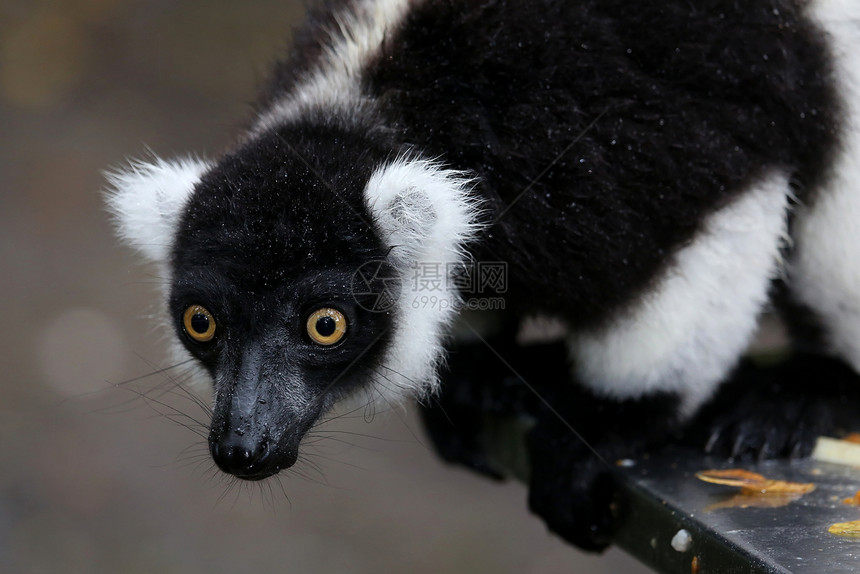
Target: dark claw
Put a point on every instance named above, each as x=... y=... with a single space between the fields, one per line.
x=716 y=434
x=779 y=410
x=737 y=446
x=796 y=451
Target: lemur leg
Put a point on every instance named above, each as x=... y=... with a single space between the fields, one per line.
x=824 y=272
x=686 y=335
x=633 y=381
x=652 y=367
x=819 y=388
x=780 y=410
x=492 y=380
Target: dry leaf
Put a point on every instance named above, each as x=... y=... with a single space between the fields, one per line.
x=848 y=529
x=731 y=477
x=852 y=500
x=752 y=483
x=754 y=500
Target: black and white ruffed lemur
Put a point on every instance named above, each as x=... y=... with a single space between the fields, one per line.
x=652 y=176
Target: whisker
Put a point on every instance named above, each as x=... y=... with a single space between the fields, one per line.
x=384 y=381
x=316 y=440
x=337 y=461
x=408 y=427
x=316 y=476
x=283 y=491
x=156 y=372
x=361 y=435
x=412 y=382
x=174 y=414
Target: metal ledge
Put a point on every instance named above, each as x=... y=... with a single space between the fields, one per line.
x=660 y=496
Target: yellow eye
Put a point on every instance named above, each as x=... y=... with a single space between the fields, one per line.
x=326 y=326
x=199 y=323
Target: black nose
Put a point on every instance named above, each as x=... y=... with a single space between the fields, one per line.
x=243 y=457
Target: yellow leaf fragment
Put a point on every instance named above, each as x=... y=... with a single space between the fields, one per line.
x=847 y=529
x=756 y=500
x=730 y=477
x=780 y=487
x=752 y=483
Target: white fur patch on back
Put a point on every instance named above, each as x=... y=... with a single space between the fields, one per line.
x=146 y=199
x=686 y=335
x=825 y=269
x=336 y=82
x=426 y=215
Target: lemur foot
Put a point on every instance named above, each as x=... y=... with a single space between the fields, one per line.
x=573 y=453
x=570 y=488
x=575 y=440
x=780 y=410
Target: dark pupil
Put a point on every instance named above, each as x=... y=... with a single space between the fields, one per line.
x=326 y=326
x=200 y=323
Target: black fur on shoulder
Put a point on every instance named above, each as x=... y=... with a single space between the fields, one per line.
x=603 y=133
x=309 y=42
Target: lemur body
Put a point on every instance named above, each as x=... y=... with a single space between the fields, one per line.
x=646 y=173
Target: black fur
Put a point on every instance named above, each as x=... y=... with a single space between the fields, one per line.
x=602 y=136
x=608 y=131
x=309 y=42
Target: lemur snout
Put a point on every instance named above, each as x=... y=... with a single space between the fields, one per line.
x=240 y=457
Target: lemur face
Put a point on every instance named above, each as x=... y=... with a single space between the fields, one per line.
x=278 y=359
x=262 y=295
x=267 y=253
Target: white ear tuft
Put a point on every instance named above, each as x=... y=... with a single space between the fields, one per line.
x=427 y=215
x=425 y=212
x=146 y=199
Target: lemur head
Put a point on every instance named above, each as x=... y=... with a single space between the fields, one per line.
x=276 y=258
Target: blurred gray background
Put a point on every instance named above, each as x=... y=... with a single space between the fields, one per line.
x=99 y=472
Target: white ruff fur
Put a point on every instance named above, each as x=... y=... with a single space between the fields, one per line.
x=335 y=83
x=426 y=214
x=686 y=335
x=825 y=270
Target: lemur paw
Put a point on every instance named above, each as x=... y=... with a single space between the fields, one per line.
x=571 y=490
x=575 y=440
x=780 y=410
x=573 y=451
